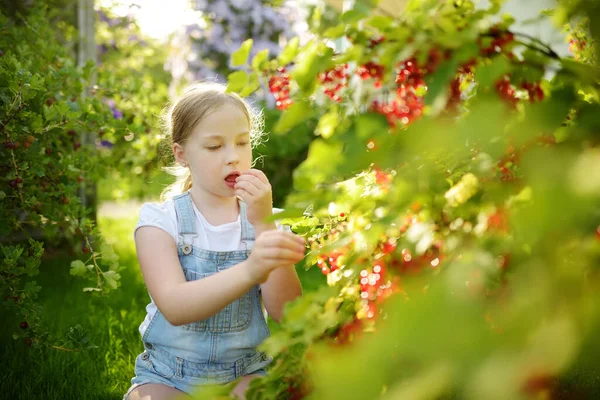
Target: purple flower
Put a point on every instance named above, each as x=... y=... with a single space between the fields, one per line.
x=106 y=144
x=117 y=113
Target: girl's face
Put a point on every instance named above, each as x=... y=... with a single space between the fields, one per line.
x=218 y=149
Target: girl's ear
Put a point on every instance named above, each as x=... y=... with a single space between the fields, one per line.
x=179 y=154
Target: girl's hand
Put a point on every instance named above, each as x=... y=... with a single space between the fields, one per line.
x=254 y=188
x=271 y=250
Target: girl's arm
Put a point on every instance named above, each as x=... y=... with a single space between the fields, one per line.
x=282 y=286
x=179 y=301
x=182 y=302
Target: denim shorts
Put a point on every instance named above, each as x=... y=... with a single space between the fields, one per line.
x=158 y=366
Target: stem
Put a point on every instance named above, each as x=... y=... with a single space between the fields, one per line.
x=549 y=52
x=63 y=348
x=2 y=128
x=87 y=243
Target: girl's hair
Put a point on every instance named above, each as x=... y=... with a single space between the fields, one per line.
x=196 y=102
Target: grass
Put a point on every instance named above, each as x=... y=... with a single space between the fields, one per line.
x=110 y=322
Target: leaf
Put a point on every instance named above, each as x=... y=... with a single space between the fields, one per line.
x=438 y=83
x=240 y=56
x=287 y=213
x=259 y=59
x=370 y=125
x=487 y=75
x=251 y=86
x=296 y=114
x=77 y=268
x=289 y=52
x=381 y=22
x=335 y=32
x=328 y=123
x=236 y=81
x=315 y=59
x=112 y=279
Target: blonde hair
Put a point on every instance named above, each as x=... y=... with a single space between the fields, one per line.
x=195 y=103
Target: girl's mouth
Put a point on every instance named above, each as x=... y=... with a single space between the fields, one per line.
x=231 y=179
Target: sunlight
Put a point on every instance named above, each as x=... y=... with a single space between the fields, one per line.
x=153 y=16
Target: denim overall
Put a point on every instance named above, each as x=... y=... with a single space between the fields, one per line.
x=218 y=349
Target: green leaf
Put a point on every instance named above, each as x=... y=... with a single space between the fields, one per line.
x=240 y=56
x=371 y=125
x=381 y=22
x=353 y=15
x=251 y=86
x=289 y=52
x=236 y=81
x=77 y=268
x=487 y=75
x=320 y=165
x=328 y=123
x=438 y=84
x=335 y=32
x=315 y=59
x=296 y=114
x=259 y=59
x=2 y=195
x=112 y=279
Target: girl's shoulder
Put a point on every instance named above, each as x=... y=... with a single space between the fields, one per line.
x=160 y=215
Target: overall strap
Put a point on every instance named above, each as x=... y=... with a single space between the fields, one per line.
x=186 y=220
x=247 y=228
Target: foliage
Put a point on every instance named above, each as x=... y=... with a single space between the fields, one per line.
x=208 y=45
x=45 y=165
x=133 y=82
x=451 y=202
x=104 y=371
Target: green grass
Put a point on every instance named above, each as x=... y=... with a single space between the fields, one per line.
x=110 y=322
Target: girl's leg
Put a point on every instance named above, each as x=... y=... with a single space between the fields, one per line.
x=240 y=390
x=156 y=391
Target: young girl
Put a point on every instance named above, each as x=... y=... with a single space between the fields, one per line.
x=208 y=255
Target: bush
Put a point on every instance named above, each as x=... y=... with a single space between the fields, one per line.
x=451 y=202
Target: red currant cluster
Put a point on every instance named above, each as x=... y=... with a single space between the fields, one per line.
x=371 y=70
x=498 y=221
x=410 y=264
x=576 y=46
x=510 y=159
x=534 y=90
x=382 y=178
x=334 y=81
x=501 y=40
x=375 y=287
x=507 y=92
x=455 y=93
x=329 y=262
x=279 y=85
x=407 y=106
x=376 y=41
x=349 y=331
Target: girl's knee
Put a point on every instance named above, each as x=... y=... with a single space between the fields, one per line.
x=239 y=392
x=156 y=391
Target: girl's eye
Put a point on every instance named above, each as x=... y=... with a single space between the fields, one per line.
x=242 y=143
x=213 y=147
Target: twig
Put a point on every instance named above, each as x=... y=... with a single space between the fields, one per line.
x=63 y=348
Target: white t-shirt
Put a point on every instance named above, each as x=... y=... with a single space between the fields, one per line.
x=226 y=237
